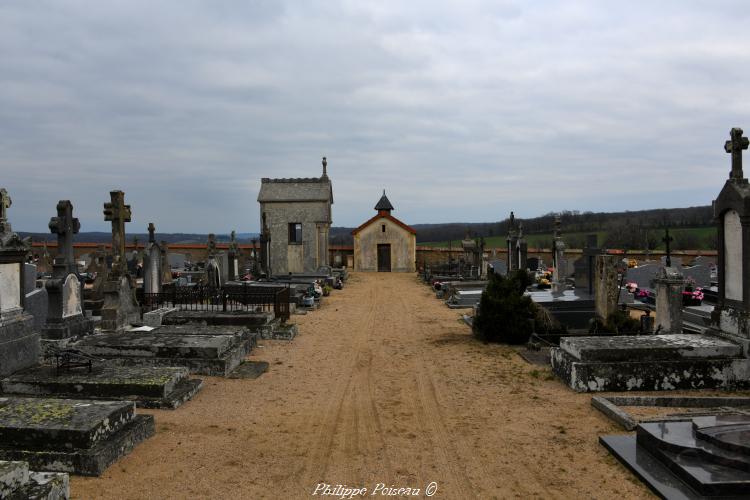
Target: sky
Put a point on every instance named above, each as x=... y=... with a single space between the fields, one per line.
x=462 y=111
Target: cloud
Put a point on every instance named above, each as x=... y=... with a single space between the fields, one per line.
x=463 y=111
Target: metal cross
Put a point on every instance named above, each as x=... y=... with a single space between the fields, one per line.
x=65 y=226
x=117 y=212
x=667 y=240
x=735 y=146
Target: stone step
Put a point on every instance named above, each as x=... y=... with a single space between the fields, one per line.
x=69 y=435
x=157 y=345
x=48 y=424
x=649 y=348
x=149 y=387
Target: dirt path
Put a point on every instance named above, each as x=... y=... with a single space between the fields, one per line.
x=383 y=385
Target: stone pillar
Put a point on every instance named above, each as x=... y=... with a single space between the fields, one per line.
x=605 y=285
x=669 y=287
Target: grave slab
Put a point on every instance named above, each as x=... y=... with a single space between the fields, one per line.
x=17 y=482
x=202 y=353
x=233 y=318
x=148 y=387
x=705 y=453
x=69 y=435
x=650 y=363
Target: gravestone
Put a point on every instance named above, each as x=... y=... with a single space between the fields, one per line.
x=606 y=291
x=731 y=316
x=212 y=274
x=152 y=262
x=558 y=262
x=120 y=307
x=233 y=258
x=669 y=286
x=20 y=344
x=699 y=275
x=584 y=266
x=65 y=316
x=644 y=275
x=166 y=268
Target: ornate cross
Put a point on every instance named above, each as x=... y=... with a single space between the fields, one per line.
x=667 y=240
x=735 y=146
x=5 y=203
x=151 y=231
x=65 y=226
x=118 y=213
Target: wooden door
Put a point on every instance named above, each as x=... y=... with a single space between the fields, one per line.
x=384 y=258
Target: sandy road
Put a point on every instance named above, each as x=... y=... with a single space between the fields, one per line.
x=384 y=385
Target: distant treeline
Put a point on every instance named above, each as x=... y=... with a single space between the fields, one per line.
x=629 y=229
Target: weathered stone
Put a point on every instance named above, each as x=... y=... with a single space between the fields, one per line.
x=606 y=290
x=69 y=435
x=149 y=387
x=669 y=287
x=155 y=317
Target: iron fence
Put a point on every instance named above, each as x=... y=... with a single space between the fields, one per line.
x=221 y=299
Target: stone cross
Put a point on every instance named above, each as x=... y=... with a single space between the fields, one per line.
x=558 y=224
x=211 y=244
x=325 y=165
x=735 y=146
x=151 y=231
x=667 y=240
x=118 y=213
x=64 y=226
x=5 y=203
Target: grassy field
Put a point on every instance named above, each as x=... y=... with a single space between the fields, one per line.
x=695 y=238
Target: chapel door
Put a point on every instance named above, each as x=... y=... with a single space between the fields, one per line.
x=384 y=258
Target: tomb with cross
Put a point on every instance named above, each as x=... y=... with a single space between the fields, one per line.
x=65 y=318
x=152 y=263
x=731 y=208
x=120 y=308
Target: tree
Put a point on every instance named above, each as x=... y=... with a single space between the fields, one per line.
x=505 y=313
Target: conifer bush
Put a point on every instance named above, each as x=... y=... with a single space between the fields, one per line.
x=505 y=314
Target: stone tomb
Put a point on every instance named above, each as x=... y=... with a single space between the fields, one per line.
x=148 y=387
x=18 y=482
x=699 y=457
x=70 y=435
x=650 y=363
x=206 y=350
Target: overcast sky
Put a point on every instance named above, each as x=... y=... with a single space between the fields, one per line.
x=461 y=110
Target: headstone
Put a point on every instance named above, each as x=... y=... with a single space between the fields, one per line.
x=120 y=307
x=19 y=343
x=606 y=286
x=212 y=273
x=699 y=275
x=166 y=268
x=233 y=258
x=152 y=262
x=731 y=315
x=644 y=275
x=65 y=316
x=29 y=278
x=584 y=266
x=669 y=287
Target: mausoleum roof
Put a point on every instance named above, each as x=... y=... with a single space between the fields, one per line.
x=385 y=215
x=299 y=189
x=384 y=203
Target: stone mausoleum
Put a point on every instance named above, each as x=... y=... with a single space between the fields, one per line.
x=295 y=222
x=384 y=243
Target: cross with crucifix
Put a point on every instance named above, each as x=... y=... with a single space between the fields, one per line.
x=118 y=213
x=151 y=231
x=64 y=226
x=667 y=240
x=735 y=146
